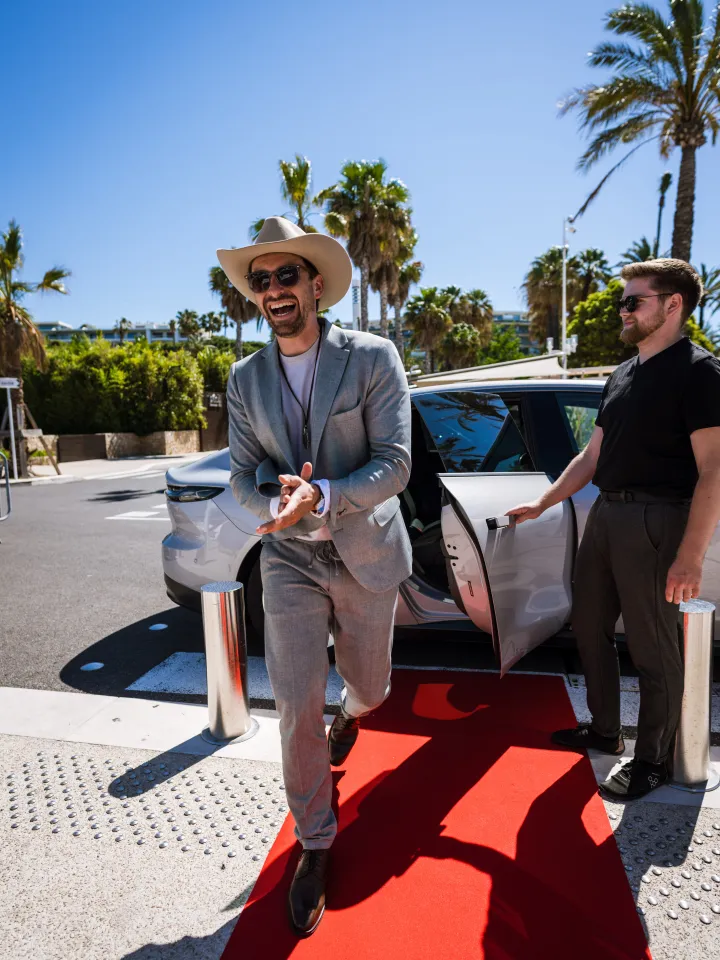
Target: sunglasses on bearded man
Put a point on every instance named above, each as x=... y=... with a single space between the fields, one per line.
x=630 y=303
x=288 y=276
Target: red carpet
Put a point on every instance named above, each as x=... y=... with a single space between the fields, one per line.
x=462 y=836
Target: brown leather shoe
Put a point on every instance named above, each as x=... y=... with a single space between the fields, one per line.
x=306 y=899
x=341 y=739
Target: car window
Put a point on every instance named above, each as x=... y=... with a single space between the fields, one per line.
x=473 y=432
x=579 y=411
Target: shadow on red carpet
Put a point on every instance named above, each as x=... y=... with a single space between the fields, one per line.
x=462 y=836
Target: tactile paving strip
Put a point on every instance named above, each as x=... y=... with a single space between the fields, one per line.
x=199 y=806
x=671 y=855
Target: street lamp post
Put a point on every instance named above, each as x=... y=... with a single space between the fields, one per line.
x=567 y=228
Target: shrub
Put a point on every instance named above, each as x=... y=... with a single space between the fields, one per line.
x=97 y=388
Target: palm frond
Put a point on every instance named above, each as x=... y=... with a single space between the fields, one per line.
x=52 y=280
x=646 y=24
x=336 y=224
x=609 y=139
x=255 y=228
x=11 y=256
x=593 y=193
x=622 y=56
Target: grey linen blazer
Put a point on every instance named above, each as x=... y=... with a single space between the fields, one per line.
x=360 y=442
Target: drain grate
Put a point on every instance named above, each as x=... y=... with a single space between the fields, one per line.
x=672 y=860
x=199 y=806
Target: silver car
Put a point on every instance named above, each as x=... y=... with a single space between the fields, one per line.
x=477 y=450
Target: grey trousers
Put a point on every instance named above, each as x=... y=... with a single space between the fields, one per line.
x=622 y=565
x=309 y=593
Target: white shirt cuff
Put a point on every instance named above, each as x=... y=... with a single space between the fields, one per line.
x=324 y=501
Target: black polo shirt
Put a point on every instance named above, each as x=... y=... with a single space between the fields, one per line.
x=647 y=413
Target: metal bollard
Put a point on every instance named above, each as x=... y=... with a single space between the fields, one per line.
x=691 y=762
x=223 y=612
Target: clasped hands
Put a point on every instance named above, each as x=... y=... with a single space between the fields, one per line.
x=298 y=497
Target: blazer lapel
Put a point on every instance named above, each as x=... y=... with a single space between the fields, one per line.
x=271 y=393
x=334 y=355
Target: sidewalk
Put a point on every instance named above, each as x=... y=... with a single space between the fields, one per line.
x=107 y=469
x=125 y=836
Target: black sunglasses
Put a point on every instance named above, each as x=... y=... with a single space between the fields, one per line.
x=287 y=276
x=630 y=303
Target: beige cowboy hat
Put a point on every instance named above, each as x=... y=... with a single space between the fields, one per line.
x=279 y=235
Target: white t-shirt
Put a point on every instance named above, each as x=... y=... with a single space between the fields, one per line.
x=299 y=372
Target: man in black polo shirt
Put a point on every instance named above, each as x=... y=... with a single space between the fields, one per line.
x=655 y=455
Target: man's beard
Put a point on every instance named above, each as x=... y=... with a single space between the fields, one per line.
x=635 y=334
x=288 y=328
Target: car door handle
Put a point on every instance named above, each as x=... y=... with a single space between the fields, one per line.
x=498 y=523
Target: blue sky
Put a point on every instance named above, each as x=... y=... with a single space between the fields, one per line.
x=146 y=135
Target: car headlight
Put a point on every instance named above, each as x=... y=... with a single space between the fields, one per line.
x=189 y=494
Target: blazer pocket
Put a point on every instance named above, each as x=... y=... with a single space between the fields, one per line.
x=347 y=414
x=386 y=511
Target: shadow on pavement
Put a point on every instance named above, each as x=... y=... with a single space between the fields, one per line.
x=197 y=948
x=130 y=652
x=117 y=496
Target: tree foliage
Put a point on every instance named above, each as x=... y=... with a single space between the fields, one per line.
x=460 y=346
x=504 y=346
x=586 y=272
x=99 y=388
x=663 y=88
x=19 y=336
x=428 y=317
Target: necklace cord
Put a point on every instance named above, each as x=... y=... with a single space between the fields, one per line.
x=305 y=413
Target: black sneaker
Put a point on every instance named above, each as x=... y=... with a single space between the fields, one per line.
x=583 y=737
x=634 y=779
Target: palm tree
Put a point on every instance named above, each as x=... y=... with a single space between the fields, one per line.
x=352 y=212
x=473 y=308
x=665 y=89
x=173 y=329
x=394 y=225
x=19 y=337
x=188 y=323
x=460 y=346
x=637 y=252
x=591 y=272
x=543 y=293
x=211 y=322
x=665 y=184
x=710 y=300
x=122 y=327
x=409 y=274
x=237 y=307
x=428 y=315
x=296 y=189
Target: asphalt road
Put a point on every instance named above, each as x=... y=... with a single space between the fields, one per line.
x=81 y=582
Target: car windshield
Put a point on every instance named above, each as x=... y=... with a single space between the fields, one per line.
x=473 y=432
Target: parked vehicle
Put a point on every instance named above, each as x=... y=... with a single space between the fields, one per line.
x=477 y=450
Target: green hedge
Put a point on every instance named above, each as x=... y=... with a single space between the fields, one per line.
x=98 y=388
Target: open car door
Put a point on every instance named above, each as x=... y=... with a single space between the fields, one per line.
x=512 y=580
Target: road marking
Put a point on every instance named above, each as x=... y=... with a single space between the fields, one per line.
x=150 y=514
x=184 y=673
x=140 y=474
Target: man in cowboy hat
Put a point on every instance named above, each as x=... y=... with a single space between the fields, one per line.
x=319 y=449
